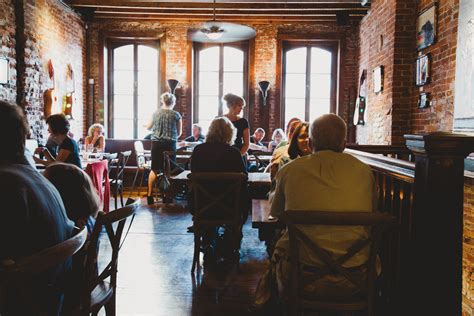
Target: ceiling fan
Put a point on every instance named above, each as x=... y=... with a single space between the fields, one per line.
x=221 y=32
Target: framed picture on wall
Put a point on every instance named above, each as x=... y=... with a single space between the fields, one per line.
x=422 y=70
x=3 y=70
x=378 y=79
x=426 y=27
x=423 y=100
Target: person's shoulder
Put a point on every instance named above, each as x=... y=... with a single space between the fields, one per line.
x=176 y=114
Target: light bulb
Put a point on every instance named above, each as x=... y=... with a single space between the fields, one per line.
x=214 y=35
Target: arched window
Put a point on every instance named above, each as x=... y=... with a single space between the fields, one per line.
x=218 y=69
x=309 y=80
x=133 y=88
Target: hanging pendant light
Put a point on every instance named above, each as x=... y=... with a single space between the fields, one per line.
x=222 y=32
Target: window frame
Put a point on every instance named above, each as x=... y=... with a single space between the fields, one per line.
x=331 y=46
x=197 y=47
x=112 y=44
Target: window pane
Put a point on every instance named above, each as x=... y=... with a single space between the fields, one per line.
x=208 y=108
x=295 y=85
x=148 y=82
x=205 y=125
x=209 y=59
x=147 y=58
x=294 y=108
x=142 y=130
x=318 y=107
x=123 y=58
x=233 y=59
x=320 y=60
x=234 y=83
x=123 y=82
x=123 y=106
x=296 y=61
x=123 y=129
x=208 y=83
x=147 y=104
x=321 y=86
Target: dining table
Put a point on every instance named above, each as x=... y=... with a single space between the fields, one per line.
x=259 y=183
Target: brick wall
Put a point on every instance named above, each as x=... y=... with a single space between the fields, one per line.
x=439 y=117
x=7 y=48
x=51 y=31
x=57 y=33
x=394 y=111
x=377 y=42
x=264 y=64
x=468 y=248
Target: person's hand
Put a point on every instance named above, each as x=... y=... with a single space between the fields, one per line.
x=39 y=150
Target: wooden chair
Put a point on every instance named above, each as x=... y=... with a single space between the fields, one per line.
x=19 y=272
x=116 y=177
x=143 y=164
x=301 y=299
x=96 y=291
x=261 y=165
x=217 y=202
x=170 y=168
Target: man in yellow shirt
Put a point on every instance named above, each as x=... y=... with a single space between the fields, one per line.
x=326 y=180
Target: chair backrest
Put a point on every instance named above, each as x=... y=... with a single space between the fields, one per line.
x=182 y=157
x=217 y=195
x=43 y=260
x=107 y=222
x=376 y=223
x=119 y=166
x=138 y=145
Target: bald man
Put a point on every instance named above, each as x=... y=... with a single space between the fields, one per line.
x=328 y=180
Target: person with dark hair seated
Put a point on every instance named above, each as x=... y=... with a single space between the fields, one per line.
x=68 y=150
x=299 y=144
x=34 y=220
x=217 y=154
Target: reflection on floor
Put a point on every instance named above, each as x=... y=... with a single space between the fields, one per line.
x=154 y=275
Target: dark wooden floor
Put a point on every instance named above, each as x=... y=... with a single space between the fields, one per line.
x=154 y=275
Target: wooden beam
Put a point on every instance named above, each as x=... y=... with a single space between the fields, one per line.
x=219 y=5
x=209 y=12
x=233 y=18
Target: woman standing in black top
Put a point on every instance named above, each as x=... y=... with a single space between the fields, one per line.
x=235 y=104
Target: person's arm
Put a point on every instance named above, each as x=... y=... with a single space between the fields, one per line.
x=270 y=146
x=277 y=206
x=47 y=155
x=149 y=124
x=102 y=143
x=87 y=142
x=179 y=126
x=246 y=144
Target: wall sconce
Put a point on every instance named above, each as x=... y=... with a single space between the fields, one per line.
x=264 y=86
x=172 y=83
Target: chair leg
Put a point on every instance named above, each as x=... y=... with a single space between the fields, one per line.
x=134 y=181
x=115 y=198
x=121 y=195
x=140 y=183
x=197 y=248
x=110 y=307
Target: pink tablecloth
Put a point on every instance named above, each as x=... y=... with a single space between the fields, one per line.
x=99 y=173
